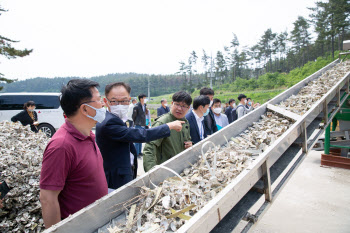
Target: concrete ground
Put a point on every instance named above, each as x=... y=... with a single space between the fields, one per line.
x=315 y=199
x=140 y=170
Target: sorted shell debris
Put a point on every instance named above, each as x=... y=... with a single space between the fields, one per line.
x=167 y=207
x=315 y=89
x=21 y=153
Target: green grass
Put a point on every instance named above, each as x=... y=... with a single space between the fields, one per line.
x=157 y=99
x=260 y=96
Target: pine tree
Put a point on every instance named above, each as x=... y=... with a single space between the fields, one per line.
x=9 y=52
x=205 y=61
x=194 y=58
x=300 y=37
x=266 y=47
x=182 y=72
x=234 y=57
x=333 y=16
x=281 y=48
x=341 y=10
x=318 y=19
x=220 y=66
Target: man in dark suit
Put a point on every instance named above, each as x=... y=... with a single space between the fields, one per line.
x=229 y=109
x=115 y=139
x=209 y=120
x=196 y=118
x=163 y=108
x=139 y=118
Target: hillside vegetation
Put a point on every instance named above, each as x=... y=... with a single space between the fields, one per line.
x=265 y=87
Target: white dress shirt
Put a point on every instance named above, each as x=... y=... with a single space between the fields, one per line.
x=199 y=121
x=131 y=109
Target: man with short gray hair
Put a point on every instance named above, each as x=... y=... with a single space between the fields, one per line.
x=115 y=139
x=163 y=109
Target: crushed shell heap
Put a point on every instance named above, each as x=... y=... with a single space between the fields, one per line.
x=21 y=153
x=315 y=89
x=168 y=206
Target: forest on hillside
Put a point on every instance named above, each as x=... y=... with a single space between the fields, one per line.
x=278 y=59
x=319 y=35
x=159 y=84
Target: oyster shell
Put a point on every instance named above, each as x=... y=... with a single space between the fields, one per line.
x=21 y=153
x=315 y=89
x=180 y=199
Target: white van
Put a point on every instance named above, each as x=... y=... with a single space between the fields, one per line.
x=50 y=113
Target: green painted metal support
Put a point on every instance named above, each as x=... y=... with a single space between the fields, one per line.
x=343 y=114
x=334 y=123
x=327 y=143
x=336 y=146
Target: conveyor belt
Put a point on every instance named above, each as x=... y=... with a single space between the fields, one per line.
x=237 y=197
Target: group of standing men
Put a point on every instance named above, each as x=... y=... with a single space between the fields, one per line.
x=78 y=167
x=234 y=112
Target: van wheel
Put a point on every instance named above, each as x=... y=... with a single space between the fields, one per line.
x=47 y=129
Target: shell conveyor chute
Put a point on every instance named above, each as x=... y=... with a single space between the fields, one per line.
x=271 y=168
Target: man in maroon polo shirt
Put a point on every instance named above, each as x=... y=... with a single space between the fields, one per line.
x=72 y=174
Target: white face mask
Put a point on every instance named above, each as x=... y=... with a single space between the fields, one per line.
x=146 y=100
x=166 y=105
x=234 y=105
x=100 y=114
x=217 y=110
x=245 y=101
x=211 y=103
x=120 y=111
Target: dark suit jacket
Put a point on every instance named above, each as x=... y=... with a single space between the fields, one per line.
x=138 y=115
x=25 y=119
x=194 y=130
x=228 y=113
x=210 y=123
x=161 y=110
x=115 y=141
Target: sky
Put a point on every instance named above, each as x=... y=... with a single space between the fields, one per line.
x=88 y=38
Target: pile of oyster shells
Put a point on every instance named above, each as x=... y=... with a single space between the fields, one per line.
x=315 y=89
x=168 y=206
x=21 y=153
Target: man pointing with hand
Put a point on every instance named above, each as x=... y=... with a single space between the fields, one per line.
x=159 y=151
x=115 y=139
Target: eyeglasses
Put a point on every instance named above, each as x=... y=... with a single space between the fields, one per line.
x=183 y=107
x=97 y=101
x=115 y=102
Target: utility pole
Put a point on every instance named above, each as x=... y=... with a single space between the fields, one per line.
x=211 y=72
x=149 y=93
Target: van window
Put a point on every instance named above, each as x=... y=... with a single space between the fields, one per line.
x=16 y=102
x=46 y=102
